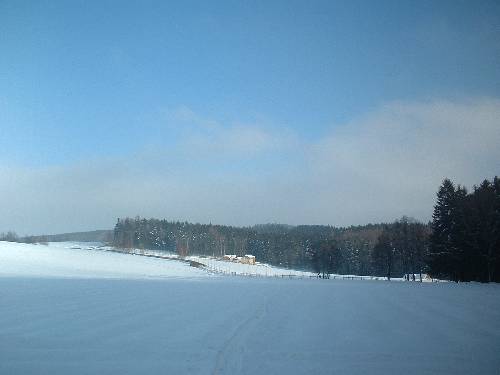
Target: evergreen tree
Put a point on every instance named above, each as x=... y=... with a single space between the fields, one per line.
x=441 y=259
x=465 y=241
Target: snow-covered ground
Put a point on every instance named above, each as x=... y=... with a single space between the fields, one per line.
x=142 y=322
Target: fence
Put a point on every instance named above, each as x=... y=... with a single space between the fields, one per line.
x=219 y=271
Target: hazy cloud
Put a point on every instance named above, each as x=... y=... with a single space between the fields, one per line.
x=206 y=137
x=376 y=168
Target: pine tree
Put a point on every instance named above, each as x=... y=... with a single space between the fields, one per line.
x=441 y=262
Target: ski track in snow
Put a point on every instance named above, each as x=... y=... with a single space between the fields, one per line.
x=234 y=347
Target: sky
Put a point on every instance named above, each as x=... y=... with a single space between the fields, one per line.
x=317 y=112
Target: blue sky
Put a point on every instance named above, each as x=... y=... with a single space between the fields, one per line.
x=233 y=91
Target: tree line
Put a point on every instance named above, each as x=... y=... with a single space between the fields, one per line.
x=11 y=236
x=389 y=250
x=320 y=248
x=276 y=244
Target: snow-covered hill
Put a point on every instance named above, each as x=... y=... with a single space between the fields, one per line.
x=85 y=260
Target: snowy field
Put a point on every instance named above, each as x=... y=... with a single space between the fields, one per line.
x=126 y=314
